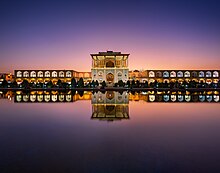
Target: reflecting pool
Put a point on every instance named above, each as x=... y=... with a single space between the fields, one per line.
x=109 y=132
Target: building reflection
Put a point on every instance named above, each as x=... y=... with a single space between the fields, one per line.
x=213 y=97
x=109 y=103
x=52 y=97
x=110 y=106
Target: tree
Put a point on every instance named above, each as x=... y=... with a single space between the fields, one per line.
x=96 y=83
x=14 y=84
x=73 y=82
x=93 y=84
x=80 y=83
x=103 y=84
x=4 y=84
x=25 y=84
x=49 y=84
x=120 y=83
x=128 y=83
x=137 y=83
x=59 y=83
x=133 y=83
x=145 y=84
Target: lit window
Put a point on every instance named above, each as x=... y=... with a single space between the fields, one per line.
x=173 y=74
x=61 y=74
x=40 y=74
x=165 y=74
x=26 y=74
x=19 y=74
x=201 y=74
x=68 y=74
x=47 y=74
x=215 y=74
x=33 y=74
x=180 y=74
x=208 y=74
x=54 y=74
x=151 y=74
x=187 y=74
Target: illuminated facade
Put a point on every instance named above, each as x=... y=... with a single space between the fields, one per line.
x=50 y=75
x=110 y=67
x=207 y=76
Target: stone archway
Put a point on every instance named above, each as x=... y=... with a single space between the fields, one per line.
x=110 y=78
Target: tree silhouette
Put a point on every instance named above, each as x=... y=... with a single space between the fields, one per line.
x=73 y=82
x=120 y=83
x=80 y=83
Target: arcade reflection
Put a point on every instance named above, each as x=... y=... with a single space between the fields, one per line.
x=110 y=105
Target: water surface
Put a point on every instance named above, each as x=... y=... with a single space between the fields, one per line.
x=109 y=132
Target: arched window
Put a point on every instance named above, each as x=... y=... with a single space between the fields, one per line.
x=47 y=74
x=80 y=75
x=19 y=74
x=119 y=74
x=40 y=74
x=87 y=75
x=54 y=74
x=69 y=97
x=68 y=74
x=208 y=74
x=180 y=98
x=173 y=98
x=33 y=98
x=158 y=74
x=166 y=98
x=100 y=74
x=187 y=98
x=61 y=74
x=26 y=74
x=215 y=74
x=187 y=74
x=40 y=98
x=61 y=98
x=194 y=74
x=110 y=64
x=33 y=74
x=25 y=98
x=180 y=74
x=151 y=74
x=201 y=74
x=173 y=74
x=54 y=98
x=152 y=98
x=166 y=74
x=47 y=98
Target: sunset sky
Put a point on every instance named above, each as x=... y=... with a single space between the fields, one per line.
x=158 y=34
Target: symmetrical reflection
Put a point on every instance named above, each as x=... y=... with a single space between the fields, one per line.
x=52 y=97
x=110 y=106
x=183 y=98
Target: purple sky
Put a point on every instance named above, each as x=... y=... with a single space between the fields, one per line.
x=157 y=34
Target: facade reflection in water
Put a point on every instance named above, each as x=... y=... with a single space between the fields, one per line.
x=110 y=98
x=110 y=106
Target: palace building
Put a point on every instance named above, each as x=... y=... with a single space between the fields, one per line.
x=112 y=67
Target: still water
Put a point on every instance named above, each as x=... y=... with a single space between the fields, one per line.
x=109 y=133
